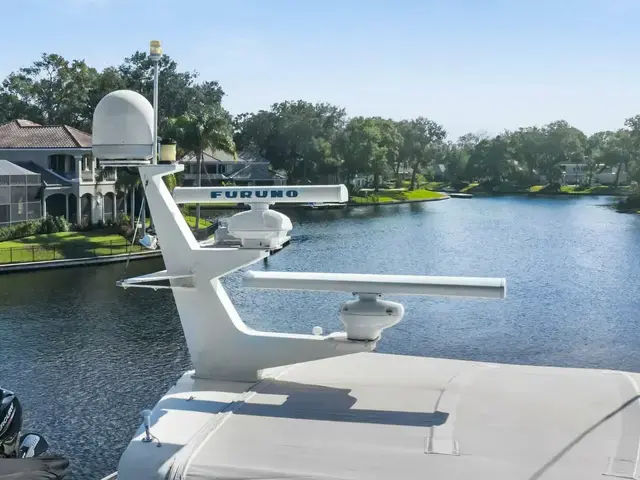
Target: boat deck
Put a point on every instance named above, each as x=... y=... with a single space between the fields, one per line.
x=376 y=416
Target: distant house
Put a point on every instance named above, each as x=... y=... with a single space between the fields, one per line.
x=440 y=172
x=578 y=173
x=360 y=180
x=218 y=167
x=70 y=181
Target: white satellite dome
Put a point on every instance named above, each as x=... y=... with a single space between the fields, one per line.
x=123 y=127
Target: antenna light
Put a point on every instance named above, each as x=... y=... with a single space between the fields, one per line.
x=167 y=150
x=155 y=50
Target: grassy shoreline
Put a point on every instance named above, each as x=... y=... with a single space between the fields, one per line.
x=395 y=196
x=509 y=189
x=104 y=242
x=66 y=245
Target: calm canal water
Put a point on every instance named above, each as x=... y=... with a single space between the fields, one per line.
x=86 y=357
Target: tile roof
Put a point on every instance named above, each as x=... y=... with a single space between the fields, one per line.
x=27 y=134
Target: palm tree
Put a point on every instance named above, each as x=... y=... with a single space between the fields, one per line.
x=208 y=127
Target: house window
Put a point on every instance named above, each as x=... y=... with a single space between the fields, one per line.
x=57 y=163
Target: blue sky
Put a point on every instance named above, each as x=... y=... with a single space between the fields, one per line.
x=470 y=65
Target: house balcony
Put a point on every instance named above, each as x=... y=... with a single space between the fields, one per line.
x=100 y=176
x=87 y=176
x=107 y=175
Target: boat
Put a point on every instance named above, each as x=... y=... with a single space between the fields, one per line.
x=460 y=195
x=267 y=405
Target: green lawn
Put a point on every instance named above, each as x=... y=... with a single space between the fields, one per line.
x=387 y=196
x=191 y=221
x=543 y=189
x=422 y=194
x=469 y=187
x=435 y=185
x=58 y=246
x=578 y=190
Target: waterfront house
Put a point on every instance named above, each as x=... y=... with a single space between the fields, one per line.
x=70 y=179
x=440 y=172
x=578 y=173
x=219 y=167
x=361 y=180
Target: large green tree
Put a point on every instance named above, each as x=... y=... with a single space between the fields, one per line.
x=54 y=90
x=369 y=145
x=297 y=137
x=422 y=138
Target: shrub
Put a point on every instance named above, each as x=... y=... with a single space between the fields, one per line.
x=20 y=230
x=47 y=224
x=61 y=223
